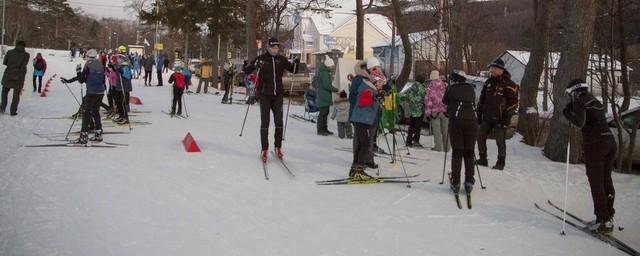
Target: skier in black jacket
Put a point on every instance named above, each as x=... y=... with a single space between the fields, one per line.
x=586 y=112
x=270 y=92
x=460 y=99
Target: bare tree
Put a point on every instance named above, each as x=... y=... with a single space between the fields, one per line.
x=251 y=27
x=456 y=35
x=578 y=24
x=528 y=123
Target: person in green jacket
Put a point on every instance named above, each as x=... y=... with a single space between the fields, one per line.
x=325 y=98
x=414 y=96
x=13 y=79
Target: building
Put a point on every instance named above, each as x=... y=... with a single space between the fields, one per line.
x=429 y=53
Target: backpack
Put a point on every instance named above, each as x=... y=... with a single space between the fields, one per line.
x=179 y=80
x=39 y=64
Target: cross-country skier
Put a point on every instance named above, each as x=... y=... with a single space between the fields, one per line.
x=270 y=92
x=93 y=75
x=587 y=113
x=179 y=83
x=460 y=100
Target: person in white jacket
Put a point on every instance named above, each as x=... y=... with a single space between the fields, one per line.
x=341 y=115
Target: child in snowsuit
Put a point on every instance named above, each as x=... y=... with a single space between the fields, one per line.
x=341 y=115
x=178 y=81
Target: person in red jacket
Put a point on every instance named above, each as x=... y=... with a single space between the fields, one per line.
x=39 y=68
x=178 y=81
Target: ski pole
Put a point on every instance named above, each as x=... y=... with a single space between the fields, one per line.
x=288 y=104
x=72 y=94
x=478 y=169
x=248 y=105
x=444 y=165
x=184 y=102
x=405 y=142
x=566 y=186
x=403 y=168
x=74 y=122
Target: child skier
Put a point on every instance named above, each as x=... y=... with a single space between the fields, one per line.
x=178 y=81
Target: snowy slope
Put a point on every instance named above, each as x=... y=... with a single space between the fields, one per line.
x=152 y=198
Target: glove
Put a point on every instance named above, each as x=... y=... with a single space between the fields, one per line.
x=64 y=80
x=258 y=64
x=252 y=100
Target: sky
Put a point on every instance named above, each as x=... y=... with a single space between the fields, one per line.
x=115 y=8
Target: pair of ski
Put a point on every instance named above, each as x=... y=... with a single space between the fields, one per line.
x=284 y=165
x=301 y=118
x=377 y=180
x=78 y=145
x=459 y=203
x=174 y=115
x=582 y=226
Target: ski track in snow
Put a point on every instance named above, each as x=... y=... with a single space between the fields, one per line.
x=152 y=198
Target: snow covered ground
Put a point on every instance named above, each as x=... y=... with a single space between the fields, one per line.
x=152 y=198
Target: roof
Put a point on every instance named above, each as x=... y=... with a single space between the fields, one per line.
x=378 y=22
x=523 y=57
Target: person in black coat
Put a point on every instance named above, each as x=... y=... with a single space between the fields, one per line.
x=587 y=113
x=460 y=100
x=13 y=78
x=270 y=92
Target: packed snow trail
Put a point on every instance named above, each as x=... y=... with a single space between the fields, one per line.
x=152 y=198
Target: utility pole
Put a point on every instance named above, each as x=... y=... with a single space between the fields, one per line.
x=155 y=40
x=4 y=3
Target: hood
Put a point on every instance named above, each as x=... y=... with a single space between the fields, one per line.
x=39 y=56
x=19 y=48
x=360 y=70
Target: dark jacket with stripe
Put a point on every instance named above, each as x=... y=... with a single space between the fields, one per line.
x=587 y=113
x=271 y=72
x=498 y=99
x=460 y=99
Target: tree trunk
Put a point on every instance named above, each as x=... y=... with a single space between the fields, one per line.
x=578 y=26
x=626 y=87
x=528 y=113
x=456 y=35
x=359 y=30
x=406 y=45
x=251 y=27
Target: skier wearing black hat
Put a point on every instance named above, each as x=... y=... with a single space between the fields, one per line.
x=586 y=112
x=498 y=103
x=270 y=92
x=460 y=99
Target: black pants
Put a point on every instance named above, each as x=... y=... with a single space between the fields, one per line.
x=362 y=144
x=270 y=103
x=14 y=101
x=599 y=157
x=321 y=125
x=121 y=106
x=91 y=114
x=147 y=77
x=415 y=127
x=159 y=77
x=463 y=134
x=177 y=99
x=499 y=130
x=39 y=83
x=226 y=93
x=111 y=99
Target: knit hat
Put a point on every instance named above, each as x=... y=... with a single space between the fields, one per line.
x=498 y=63
x=343 y=94
x=420 y=78
x=372 y=62
x=456 y=77
x=177 y=68
x=329 y=62
x=435 y=75
x=576 y=85
x=92 y=54
x=273 y=42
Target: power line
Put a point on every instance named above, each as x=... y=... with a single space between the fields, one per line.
x=97 y=5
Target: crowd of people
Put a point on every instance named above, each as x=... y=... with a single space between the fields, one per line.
x=456 y=117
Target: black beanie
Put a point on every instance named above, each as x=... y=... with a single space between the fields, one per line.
x=576 y=81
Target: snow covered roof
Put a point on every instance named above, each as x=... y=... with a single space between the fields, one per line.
x=523 y=57
x=379 y=22
x=323 y=25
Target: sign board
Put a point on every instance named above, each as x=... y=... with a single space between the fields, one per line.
x=159 y=47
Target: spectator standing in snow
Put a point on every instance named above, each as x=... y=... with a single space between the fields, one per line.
x=414 y=96
x=435 y=111
x=149 y=62
x=460 y=99
x=498 y=103
x=159 y=67
x=325 y=95
x=270 y=91
x=16 y=61
x=341 y=115
x=39 y=68
x=587 y=113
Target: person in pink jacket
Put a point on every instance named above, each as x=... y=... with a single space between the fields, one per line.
x=435 y=111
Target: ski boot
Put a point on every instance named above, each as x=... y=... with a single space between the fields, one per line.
x=601 y=227
x=279 y=153
x=84 y=138
x=357 y=174
x=499 y=164
x=264 y=155
x=97 y=137
x=482 y=161
x=468 y=187
x=417 y=145
x=455 y=188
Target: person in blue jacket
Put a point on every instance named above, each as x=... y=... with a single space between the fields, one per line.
x=160 y=67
